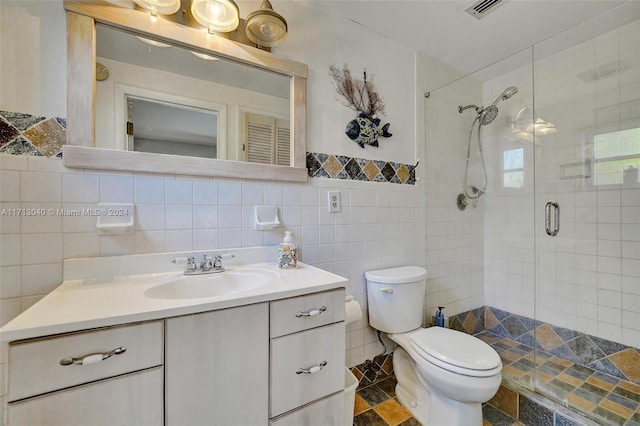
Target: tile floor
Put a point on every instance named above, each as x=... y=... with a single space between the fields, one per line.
x=376 y=403
x=606 y=399
x=603 y=397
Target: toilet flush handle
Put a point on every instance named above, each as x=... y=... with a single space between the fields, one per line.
x=387 y=290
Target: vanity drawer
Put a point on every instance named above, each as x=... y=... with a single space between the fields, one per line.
x=283 y=312
x=305 y=350
x=327 y=411
x=36 y=367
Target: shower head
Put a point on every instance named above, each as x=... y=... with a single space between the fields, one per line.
x=506 y=94
x=488 y=114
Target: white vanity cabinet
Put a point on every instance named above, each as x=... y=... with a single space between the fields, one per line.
x=307 y=359
x=99 y=377
x=217 y=367
x=272 y=359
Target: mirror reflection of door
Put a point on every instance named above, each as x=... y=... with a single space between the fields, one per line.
x=168 y=128
x=267 y=140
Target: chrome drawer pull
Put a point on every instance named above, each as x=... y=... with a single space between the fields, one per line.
x=92 y=358
x=311 y=313
x=313 y=369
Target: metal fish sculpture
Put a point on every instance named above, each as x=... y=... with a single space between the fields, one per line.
x=364 y=130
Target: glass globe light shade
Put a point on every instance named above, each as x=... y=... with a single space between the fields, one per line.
x=265 y=27
x=217 y=15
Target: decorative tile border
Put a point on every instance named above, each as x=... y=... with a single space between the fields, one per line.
x=599 y=354
x=26 y=134
x=350 y=168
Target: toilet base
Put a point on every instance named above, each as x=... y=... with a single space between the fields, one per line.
x=426 y=405
x=411 y=393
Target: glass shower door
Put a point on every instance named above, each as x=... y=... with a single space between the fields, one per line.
x=586 y=131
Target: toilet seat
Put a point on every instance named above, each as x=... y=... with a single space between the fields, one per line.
x=456 y=352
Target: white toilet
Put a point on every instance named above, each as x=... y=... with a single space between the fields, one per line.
x=443 y=375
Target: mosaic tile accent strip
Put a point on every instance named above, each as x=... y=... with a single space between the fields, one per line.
x=331 y=166
x=602 y=355
x=26 y=134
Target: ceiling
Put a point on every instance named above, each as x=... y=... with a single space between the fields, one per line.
x=443 y=30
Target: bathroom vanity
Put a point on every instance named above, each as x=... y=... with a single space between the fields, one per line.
x=104 y=349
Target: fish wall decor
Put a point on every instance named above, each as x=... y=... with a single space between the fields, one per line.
x=362 y=97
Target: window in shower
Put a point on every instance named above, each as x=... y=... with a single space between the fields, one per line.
x=513 y=167
x=617 y=157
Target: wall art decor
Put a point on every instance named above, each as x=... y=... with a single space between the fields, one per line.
x=362 y=97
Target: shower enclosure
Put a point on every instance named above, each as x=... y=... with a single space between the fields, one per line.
x=541 y=256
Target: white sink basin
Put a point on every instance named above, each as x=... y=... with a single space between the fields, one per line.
x=211 y=285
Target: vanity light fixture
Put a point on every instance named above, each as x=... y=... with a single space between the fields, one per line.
x=220 y=16
x=162 y=7
x=102 y=73
x=265 y=27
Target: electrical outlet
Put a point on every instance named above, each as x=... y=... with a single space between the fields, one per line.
x=334 y=202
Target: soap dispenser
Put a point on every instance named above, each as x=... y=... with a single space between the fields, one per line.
x=288 y=252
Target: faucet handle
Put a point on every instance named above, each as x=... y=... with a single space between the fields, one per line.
x=217 y=261
x=189 y=261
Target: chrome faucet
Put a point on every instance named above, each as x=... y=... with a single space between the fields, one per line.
x=207 y=266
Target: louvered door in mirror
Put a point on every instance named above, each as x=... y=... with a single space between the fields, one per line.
x=267 y=140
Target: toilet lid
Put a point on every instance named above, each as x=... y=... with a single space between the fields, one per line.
x=456 y=351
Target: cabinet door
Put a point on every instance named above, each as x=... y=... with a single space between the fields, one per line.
x=133 y=399
x=216 y=367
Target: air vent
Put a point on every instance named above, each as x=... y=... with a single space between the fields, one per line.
x=481 y=8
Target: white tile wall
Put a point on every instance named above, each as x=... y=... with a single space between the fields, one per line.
x=454 y=238
x=380 y=225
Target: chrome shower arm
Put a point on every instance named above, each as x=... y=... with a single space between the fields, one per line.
x=462 y=108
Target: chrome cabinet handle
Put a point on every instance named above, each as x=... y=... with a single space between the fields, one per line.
x=311 y=313
x=92 y=358
x=556 y=216
x=313 y=369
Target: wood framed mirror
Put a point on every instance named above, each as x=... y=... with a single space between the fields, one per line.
x=82 y=151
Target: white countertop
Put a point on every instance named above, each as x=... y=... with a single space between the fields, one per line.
x=80 y=304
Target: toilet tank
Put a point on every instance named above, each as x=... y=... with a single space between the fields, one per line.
x=396 y=298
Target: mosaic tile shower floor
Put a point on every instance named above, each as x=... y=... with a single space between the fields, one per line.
x=603 y=397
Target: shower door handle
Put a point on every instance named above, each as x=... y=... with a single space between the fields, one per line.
x=556 y=218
